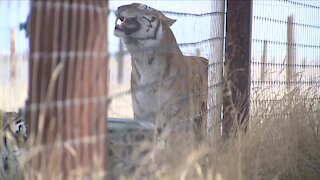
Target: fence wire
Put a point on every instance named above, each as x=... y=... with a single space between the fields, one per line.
x=270 y=46
x=285 y=63
x=195 y=35
x=285 y=51
x=270 y=26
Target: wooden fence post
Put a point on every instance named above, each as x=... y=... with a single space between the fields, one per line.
x=263 y=63
x=13 y=55
x=198 y=52
x=291 y=55
x=236 y=99
x=120 y=62
x=68 y=74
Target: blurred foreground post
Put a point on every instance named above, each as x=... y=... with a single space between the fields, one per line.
x=66 y=112
x=237 y=66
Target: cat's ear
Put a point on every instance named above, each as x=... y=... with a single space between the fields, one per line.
x=167 y=21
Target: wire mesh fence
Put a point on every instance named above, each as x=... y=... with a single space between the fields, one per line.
x=270 y=48
x=285 y=50
x=194 y=38
x=285 y=54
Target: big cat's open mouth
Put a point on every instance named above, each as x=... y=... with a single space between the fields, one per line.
x=127 y=25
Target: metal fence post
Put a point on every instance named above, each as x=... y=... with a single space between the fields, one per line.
x=68 y=78
x=237 y=66
x=215 y=74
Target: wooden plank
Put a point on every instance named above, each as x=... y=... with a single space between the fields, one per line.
x=237 y=66
x=68 y=78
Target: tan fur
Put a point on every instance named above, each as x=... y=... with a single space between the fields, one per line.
x=168 y=88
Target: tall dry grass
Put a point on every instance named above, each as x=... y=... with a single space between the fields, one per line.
x=283 y=142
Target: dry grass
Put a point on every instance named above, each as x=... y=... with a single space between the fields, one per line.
x=283 y=142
